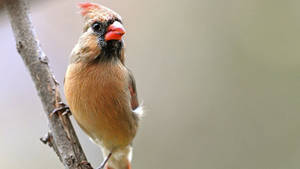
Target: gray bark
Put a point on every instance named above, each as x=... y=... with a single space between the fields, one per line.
x=62 y=136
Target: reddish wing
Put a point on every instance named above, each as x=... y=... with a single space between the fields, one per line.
x=133 y=93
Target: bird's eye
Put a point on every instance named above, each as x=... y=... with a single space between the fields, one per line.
x=96 y=26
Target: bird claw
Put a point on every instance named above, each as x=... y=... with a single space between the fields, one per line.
x=84 y=163
x=63 y=108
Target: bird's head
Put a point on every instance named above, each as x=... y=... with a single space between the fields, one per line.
x=102 y=35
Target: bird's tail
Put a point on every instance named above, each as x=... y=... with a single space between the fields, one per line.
x=120 y=159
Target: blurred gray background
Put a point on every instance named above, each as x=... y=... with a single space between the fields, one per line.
x=220 y=81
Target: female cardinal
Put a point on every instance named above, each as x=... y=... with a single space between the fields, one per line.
x=100 y=89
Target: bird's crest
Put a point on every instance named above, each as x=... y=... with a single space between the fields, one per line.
x=87 y=6
x=92 y=12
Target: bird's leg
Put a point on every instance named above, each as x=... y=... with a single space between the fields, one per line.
x=102 y=165
x=63 y=108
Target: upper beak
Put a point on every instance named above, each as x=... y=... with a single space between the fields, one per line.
x=114 y=31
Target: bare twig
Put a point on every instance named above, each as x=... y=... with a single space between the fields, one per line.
x=62 y=136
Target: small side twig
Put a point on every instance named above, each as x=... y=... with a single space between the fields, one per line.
x=47 y=139
x=62 y=137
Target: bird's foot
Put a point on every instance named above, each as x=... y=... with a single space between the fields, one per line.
x=63 y=108
x=102 y=165
x=84 y=163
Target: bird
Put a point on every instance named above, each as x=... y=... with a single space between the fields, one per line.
x=99 y=88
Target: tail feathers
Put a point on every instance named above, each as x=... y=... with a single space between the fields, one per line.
x=120 y=159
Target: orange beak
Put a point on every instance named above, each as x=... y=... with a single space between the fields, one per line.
x=115 y=31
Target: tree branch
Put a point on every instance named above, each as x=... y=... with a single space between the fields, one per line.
x=62 y=136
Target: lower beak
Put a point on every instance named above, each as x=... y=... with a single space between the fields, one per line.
x=115 y=31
